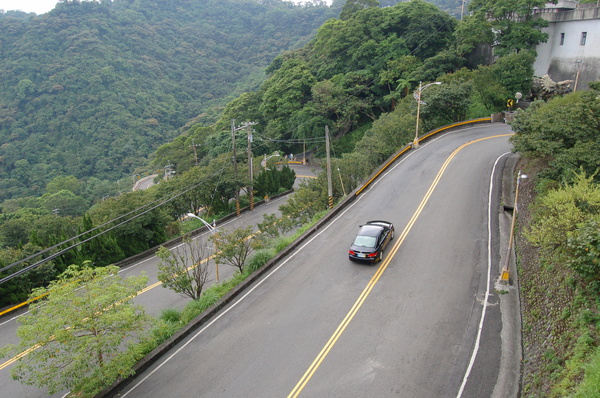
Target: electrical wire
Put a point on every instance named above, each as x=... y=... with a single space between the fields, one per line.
x=59 y=253
x=289 y=141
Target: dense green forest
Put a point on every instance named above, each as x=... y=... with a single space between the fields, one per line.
x=175 y=84
x=356 y=75
x=91 y=89
x=558 y=244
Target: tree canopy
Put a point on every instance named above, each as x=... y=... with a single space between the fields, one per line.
x=80 y=336
x=508 y=25
x=563 y=132
x=91 y=89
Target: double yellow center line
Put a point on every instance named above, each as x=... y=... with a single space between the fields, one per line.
x=365 y=293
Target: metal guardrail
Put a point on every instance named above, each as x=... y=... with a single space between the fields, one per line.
x=203 y=318
x=402 y=151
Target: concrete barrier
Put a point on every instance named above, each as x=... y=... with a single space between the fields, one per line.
x=203 y=318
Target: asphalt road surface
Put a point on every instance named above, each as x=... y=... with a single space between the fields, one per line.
x=424 y=322
x=155 y=299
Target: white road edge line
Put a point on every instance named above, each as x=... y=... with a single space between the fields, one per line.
x=487 y=291
x=258 y=284
x=273 y=271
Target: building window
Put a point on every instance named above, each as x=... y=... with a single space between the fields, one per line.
x=562 y=39
x=583 y=38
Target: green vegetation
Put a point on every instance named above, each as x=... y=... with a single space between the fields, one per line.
x=509 y=26
x=560 y=275
x=273 y=181
x=561 y=131
x=91 y=89
x=234 y=247
x=87 y=348
x=269 y=249
x=185 y=271
x=356 y=76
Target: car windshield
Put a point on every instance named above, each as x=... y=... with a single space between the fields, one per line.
x=365 y=241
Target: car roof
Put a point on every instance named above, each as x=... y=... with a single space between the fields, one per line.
x=370 y=229
x=379 y=222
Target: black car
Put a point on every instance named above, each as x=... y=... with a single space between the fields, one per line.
x=371 y=240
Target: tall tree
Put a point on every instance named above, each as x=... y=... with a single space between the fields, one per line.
x=374 y=36
x=562 y=132
x=352 y=6
x=513 y=24
x=146 y=228
x=81 y=335
x=234 y=247
x=285 y=92
x=185 y=269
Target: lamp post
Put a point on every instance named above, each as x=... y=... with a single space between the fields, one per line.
x=417 y=96
x=213 y=230
x=505 y=276
x=518 y=96
x=263 y=162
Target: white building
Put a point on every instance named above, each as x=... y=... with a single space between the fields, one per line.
x=572 y=51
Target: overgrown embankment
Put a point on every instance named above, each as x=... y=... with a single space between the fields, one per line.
x=559 y=311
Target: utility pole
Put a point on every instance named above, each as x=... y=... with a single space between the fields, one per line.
x=247 y=125
x=505 y=275
x=195 y=153
x=329 y=184
x=417 y=96
x=304 y=151
x=237 y=191
x=233 y=140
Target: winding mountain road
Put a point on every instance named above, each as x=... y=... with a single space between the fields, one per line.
x=427 y=321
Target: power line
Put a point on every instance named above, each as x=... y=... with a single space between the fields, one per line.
x=53 y=256
x=289 y=141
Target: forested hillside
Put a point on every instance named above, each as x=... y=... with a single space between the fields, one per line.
x=91 y=89
x=356 y=76
x=558 y=244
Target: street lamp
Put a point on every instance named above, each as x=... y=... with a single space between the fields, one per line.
x=213 y=230
x=505 y=276
x=263 y=162
x=417 y=96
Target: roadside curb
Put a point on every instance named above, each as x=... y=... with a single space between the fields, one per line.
x=206 y=316
x=509 y=378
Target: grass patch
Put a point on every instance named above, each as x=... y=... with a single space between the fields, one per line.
x=589 y=387
x=170 y=315
x=260 y=258
x=171 y=320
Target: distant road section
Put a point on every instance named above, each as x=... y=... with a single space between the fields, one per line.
x=144 y=183
x=303 y=172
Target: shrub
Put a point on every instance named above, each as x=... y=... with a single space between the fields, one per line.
x=584 y=245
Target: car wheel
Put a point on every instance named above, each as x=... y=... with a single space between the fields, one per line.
x=392 y=235
x=381 y=256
